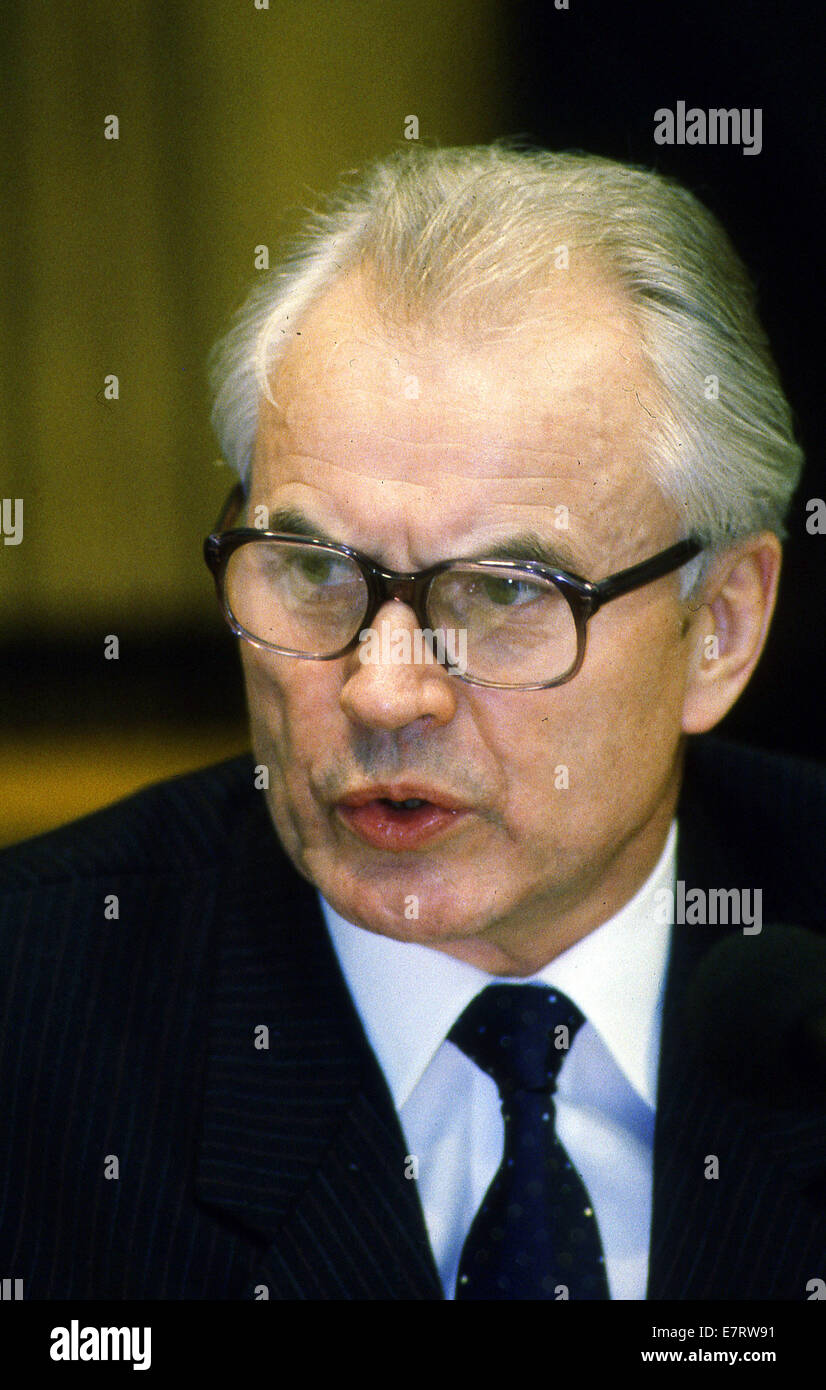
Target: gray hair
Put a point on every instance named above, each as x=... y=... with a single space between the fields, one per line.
x=465 y=237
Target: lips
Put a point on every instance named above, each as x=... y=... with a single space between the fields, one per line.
x=399 y=816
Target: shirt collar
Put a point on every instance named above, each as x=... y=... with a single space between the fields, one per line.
x=408 y=996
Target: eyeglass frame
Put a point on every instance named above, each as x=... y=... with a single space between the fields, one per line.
x=584 y=597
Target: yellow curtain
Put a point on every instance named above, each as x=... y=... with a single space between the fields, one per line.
x=124 y=257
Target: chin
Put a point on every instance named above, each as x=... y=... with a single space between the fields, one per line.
x=441 y=917
x=398 y=927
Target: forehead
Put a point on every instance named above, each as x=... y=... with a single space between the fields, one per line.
x=578 y=341
x=556 y=412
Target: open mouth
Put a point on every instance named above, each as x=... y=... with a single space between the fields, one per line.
x=405 y=823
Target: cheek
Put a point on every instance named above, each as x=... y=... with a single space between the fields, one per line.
x=630 y=715
x=607 y=738
x=637 y=662
x=293 y=707
x=288 y=706
x=265 y=698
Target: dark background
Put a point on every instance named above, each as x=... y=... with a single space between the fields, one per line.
x=592 y=78
x=232 y=120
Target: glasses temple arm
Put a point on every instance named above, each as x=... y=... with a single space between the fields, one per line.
x=231 y=507
x=636 y=575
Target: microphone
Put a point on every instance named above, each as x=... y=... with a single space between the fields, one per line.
x=755 y=1010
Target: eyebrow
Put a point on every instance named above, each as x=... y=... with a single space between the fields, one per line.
x=526 y=545
x=295 y=523
x=529 y=545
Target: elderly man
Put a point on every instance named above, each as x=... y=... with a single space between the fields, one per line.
x=513 y=462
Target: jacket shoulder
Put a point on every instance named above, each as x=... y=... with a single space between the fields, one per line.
x=776 y=786
x=181 y=825
x=763 y=815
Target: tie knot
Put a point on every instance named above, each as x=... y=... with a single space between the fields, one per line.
x=518 y=1034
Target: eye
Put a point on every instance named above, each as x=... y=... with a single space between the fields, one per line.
x=506 y=593
x=316 y=571
x=316 y=567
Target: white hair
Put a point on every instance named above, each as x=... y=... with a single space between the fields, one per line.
x=462 y=239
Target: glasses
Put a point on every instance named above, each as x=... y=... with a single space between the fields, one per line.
x=522 y=624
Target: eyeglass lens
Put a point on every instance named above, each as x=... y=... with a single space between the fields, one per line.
x=519 y=627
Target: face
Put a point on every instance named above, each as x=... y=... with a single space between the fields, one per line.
x=546 y=809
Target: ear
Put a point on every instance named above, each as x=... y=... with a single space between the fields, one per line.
x=727 y=628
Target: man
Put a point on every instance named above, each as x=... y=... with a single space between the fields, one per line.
x=514 y=463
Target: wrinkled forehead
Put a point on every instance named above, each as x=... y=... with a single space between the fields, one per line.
x=577 y=337
x=557 y=411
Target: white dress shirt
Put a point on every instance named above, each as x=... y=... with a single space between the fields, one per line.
x=409 y=996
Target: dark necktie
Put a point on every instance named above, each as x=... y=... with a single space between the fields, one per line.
x=535 y=1234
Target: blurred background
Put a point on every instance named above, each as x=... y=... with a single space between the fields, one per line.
x=126 y=257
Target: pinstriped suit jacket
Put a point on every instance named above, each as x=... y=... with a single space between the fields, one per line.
x=149 y=1150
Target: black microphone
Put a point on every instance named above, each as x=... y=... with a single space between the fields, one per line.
x=755 y=1010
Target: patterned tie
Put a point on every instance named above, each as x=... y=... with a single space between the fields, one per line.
x=535 y=1234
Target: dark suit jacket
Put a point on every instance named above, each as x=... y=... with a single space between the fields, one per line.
x=236 y=1167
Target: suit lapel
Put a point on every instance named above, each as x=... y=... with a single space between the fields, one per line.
x=746 y=1232
x=300 y=1142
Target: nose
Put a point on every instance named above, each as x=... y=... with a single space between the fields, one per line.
x=387 y=687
